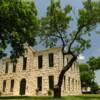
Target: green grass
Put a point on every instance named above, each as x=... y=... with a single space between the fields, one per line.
x=81 y=97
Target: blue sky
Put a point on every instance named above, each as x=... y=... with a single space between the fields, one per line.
x=95 y=39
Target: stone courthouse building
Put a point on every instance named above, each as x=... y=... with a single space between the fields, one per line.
x=36 y=73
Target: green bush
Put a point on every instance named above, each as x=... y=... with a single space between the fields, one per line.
x=50 y=92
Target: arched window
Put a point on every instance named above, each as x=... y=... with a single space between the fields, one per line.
x=22 y=86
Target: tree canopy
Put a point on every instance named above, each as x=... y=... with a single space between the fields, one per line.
x=86 y=75
x=55 y=26
x=94 y=63
x=19 y=24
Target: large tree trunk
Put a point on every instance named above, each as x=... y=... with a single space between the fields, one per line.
x=57 y=88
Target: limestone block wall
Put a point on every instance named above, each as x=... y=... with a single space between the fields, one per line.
x=32 y=72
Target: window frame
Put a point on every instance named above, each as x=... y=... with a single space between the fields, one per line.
x=40 y=61
x=14 y=67
x=51 y=59
x=51 y=82
x=24 y=63
x=12 y=85
x=6 y=67
x=39 y=83
x=4 y=86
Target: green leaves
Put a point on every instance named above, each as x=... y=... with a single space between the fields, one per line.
x=87 y=73
x=67 y=9
x=19 y=24
x=94 y=63
x=54 y=24
x=87 y=76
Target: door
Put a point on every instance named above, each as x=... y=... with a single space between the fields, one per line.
x=22 y=87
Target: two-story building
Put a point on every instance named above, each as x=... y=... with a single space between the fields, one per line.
x=36 y=73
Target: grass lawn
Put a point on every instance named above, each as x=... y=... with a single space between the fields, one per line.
x=82 y=97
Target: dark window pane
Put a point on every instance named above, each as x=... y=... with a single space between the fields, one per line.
x=69 y=83
x=40 y=61
x=39 y=83
x=51 y=60
x=22 y=87
x=6 y=69
x=4 y=85
x=14 y=67
x=72 y=84
x=24 y=63
x=65 y=82
x=12 y=86
x=51 y=82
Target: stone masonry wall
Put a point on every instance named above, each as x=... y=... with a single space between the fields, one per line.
x=32 y=71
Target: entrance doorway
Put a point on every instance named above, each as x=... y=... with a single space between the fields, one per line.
x=22 y=87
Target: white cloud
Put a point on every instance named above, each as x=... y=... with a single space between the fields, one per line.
x=81 y=57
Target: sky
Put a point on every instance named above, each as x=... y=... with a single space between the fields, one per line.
x=95 y=39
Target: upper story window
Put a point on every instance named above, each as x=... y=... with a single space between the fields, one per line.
x=14 y=67
x=6 y=67
x=51 y=59
x=40 y=61
x=24 y=63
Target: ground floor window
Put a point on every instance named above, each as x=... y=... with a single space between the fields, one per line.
x=69 y=83
x=51 y=82
x=4 y=85
x=12 y=86
x=64 y=82
x=39 y=83
x=22 y=86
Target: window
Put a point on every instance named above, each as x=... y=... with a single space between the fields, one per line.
x=12 y=86
x=74 y=67
x=76 y=84
x=39 y=83
x=6 y=69
x=65 y=82
x=73 y=84
x=69 y=83
x=40 y=60
x=51 y=82
x=51 y=60
x=14 y=67
x=22 y=90
x=4 y=85
x=24 y=63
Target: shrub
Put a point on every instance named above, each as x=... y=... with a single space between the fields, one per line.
x=37 y=91
x=50 y=92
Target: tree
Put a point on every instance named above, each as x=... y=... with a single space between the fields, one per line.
x=87 y=73
x=19 y=24
x=54 y=28
x=94 y=87
x=87 y=76
x=94 y=63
